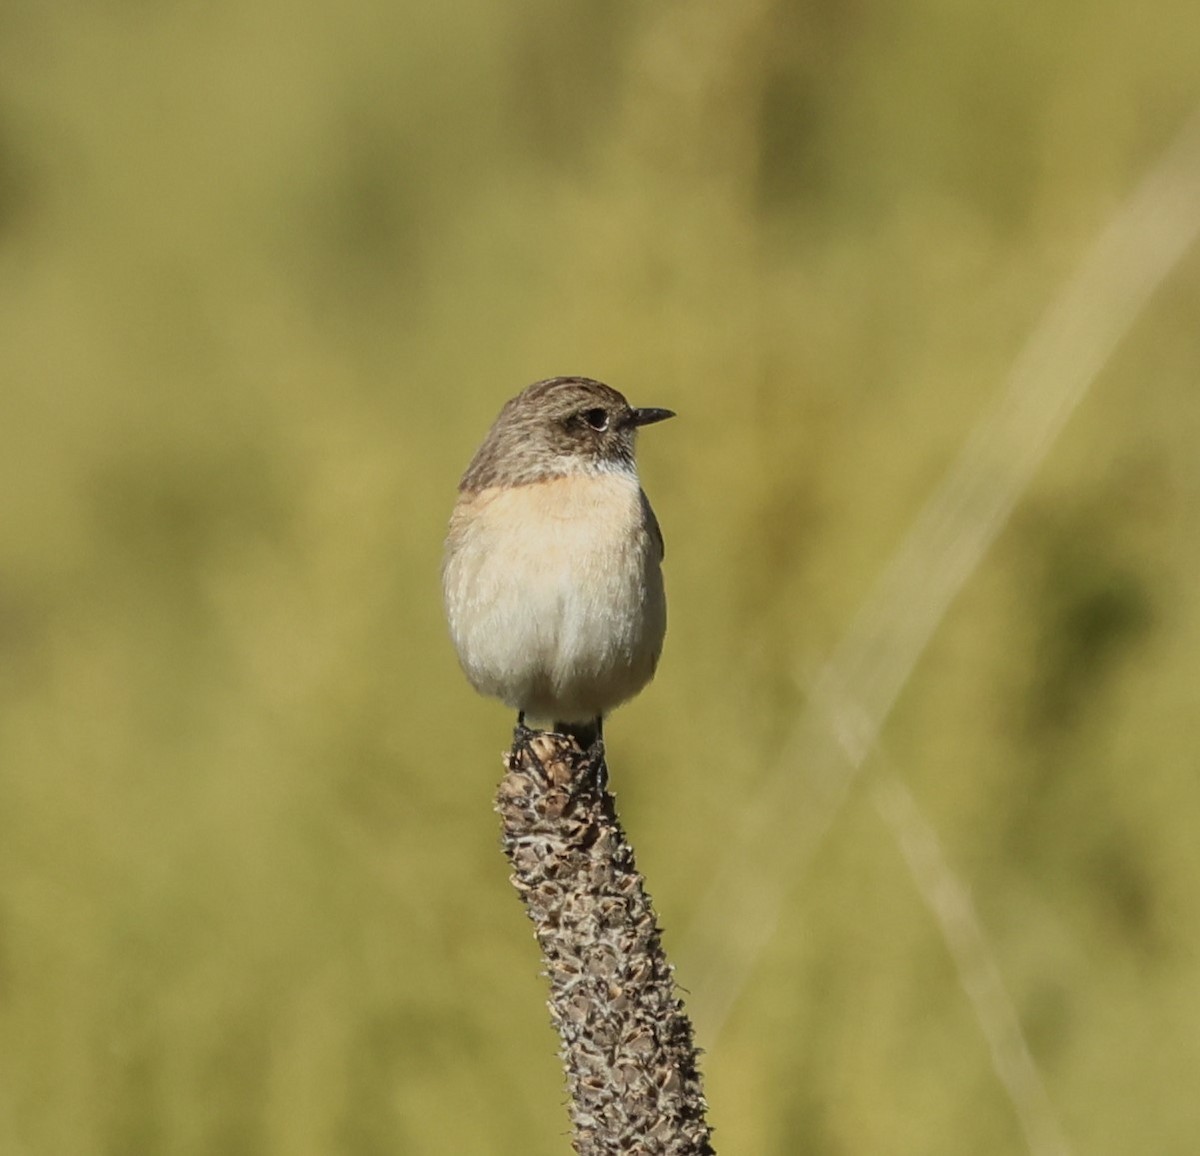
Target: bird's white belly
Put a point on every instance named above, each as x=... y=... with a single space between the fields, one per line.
x=555 y=594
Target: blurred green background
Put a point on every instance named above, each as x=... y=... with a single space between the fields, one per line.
x=267 y=272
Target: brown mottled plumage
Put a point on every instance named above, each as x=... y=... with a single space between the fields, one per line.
x=545 y=432
x=552 y=575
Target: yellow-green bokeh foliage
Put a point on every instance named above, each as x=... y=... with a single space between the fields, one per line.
x=268 y=270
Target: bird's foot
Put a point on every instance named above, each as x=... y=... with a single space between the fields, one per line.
x=590 y=737
x=523 y=741
x=598 y=765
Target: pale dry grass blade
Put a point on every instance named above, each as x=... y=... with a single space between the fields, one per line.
x=949 y=902
x=854 y=693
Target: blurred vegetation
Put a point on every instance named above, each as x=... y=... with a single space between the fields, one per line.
x=267 y=271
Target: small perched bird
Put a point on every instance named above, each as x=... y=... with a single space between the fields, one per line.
x=552 y=576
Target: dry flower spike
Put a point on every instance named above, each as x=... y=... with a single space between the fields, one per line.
x=627 y=1046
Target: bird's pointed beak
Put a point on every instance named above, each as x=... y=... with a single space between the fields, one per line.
x=639 y=417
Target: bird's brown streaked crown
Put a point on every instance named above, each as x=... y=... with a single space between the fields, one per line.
x=557 y=427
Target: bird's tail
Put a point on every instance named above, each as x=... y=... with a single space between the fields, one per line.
x=586 y=734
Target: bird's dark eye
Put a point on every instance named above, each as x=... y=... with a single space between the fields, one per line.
x=597 y=419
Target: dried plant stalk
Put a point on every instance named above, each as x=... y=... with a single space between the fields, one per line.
x=627 y=1045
